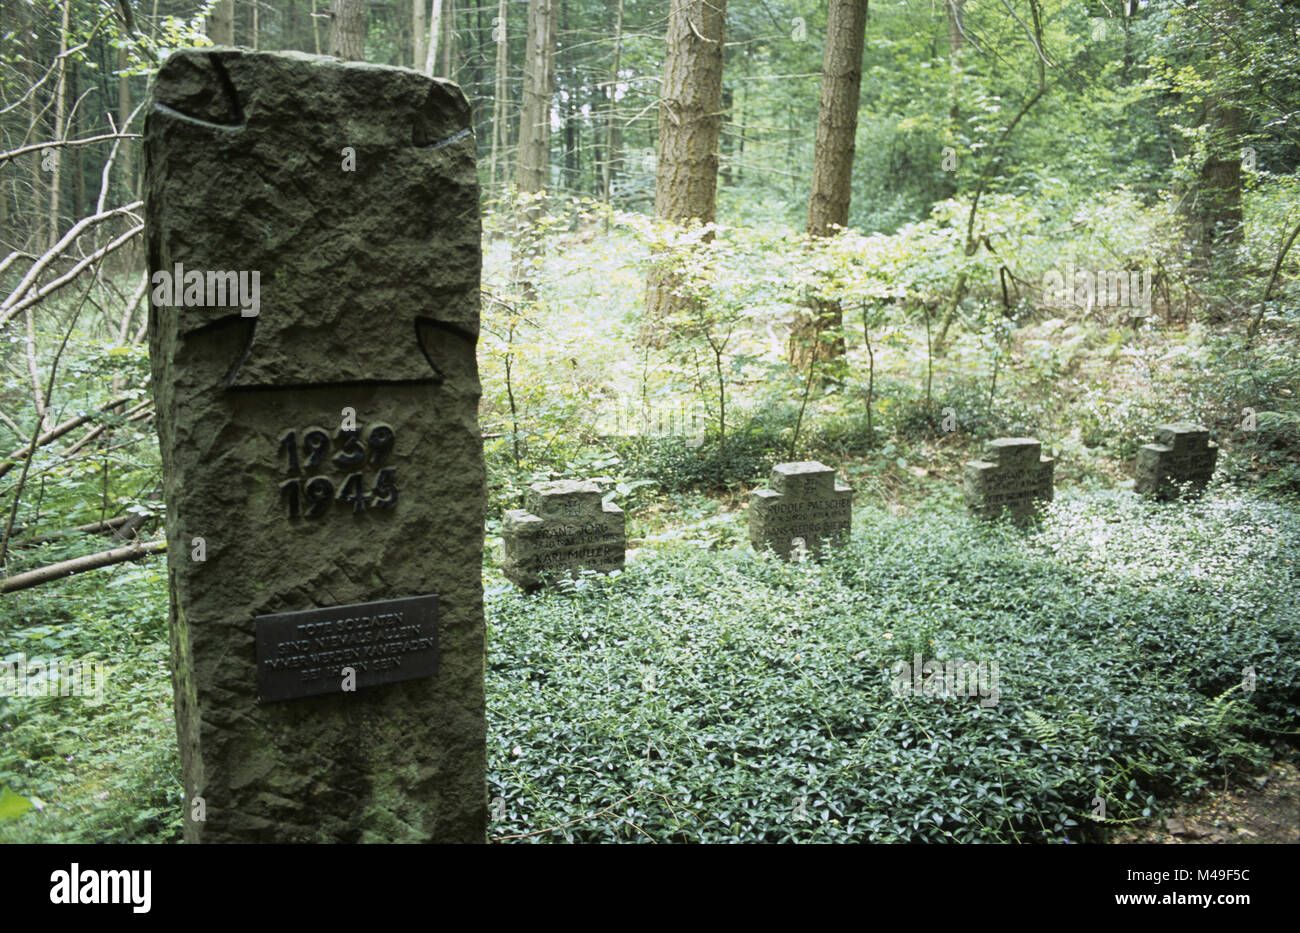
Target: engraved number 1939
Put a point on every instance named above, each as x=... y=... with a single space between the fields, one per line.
x=312 y=497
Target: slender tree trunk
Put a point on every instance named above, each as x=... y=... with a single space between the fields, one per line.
x=449 y=42
x=315 y=27
x=253 y=28
x=993 y=160
x=740 y=128
x=611 y=117
x=348 y=38
x=690 y=129
x=533 y=169
x=435 y=29
x=828 y=204
x=956 y=42
x=78 y=128
x=726 y=145
x=421 y=51
x=125 y=151
x=532 y=172
x=221 y=23
x=60 y=95
x=499 y=91
x=1215 y=205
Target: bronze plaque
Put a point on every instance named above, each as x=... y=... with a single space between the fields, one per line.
x=333 y=650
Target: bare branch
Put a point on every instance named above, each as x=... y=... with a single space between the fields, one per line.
x=60 y=143
x=66 y=568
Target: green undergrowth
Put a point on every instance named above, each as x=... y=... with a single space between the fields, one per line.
x=723 y=697
x=94 y=769
x=710 y=694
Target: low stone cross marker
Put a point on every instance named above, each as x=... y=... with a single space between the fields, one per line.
x=1182 y=458
x=1012 y=475
x=565 y=527
x=803 y=504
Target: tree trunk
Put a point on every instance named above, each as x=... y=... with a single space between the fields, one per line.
x=348 y=34
x=60 y=96
x=421 y=51
x=499 y=93
x=435 y=29
x=1215 y=205
x=690 y=129
x=533 y=170
x=828 y=204
x=611 y=118
x=956 y=42
x=690 y=113
x=221 y=23
x=124 y=153
x=449 y=42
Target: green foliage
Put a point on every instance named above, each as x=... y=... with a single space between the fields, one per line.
x=698 y=696
x=103 y=771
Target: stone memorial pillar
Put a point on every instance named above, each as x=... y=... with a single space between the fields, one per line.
x=1011 y=476
x=313 y=240
x=803 y=504
x=564 y=528
x=1182 y=458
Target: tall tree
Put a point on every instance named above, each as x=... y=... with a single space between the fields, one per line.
x=690 y=112
x=611 y=118
x=500 y=95
x=690 y=126
x=1214 y=205
x=421 y=51
x=435 y=28
x=221 y=23
x=60 y=96
x=449 y=42
x=832 y=176
x=534 y=158
x=956 y=42
x=348 y=36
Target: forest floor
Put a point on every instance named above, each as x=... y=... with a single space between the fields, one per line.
x=1266 y=809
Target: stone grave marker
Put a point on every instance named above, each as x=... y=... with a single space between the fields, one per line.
x=803 y=504
x=1182 y=457
x=1012 y=475
x=564 y=527
x=313 y=239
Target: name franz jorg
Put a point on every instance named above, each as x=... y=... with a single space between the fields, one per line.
x=211 y=289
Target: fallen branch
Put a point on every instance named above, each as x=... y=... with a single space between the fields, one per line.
x=109 y=524
x=67 y=568
x=71 y=274
x=10 y=305
x=15 y=457
x=130 y=414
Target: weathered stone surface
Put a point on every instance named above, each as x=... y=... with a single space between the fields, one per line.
x=803 y=504
x=564 y=528
x=1181 y=460
x=1012 y=476
x=369 y=302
